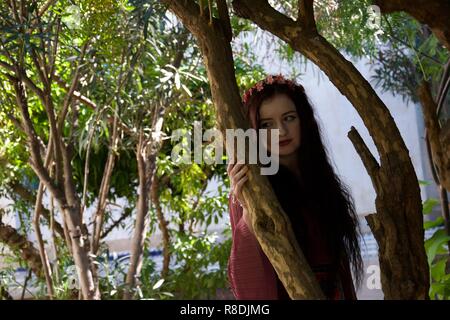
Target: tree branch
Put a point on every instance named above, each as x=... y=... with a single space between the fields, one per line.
x=26 y=195
x=224 y=17
x=36 y=162
x=435 y=14
x=433 y=133
x=19 y=243
x=46 y=6
x=305 y=17
x=369 y=161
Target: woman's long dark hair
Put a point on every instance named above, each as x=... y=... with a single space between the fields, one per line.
x=327 y=196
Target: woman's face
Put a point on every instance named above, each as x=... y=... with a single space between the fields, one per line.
x=279 y=112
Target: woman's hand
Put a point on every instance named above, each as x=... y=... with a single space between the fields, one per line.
x=238 y=173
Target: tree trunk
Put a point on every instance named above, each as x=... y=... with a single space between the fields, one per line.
x=439 y=158
x=162 y=226
x=272 y=227
x=63 y=190
x=146 y=153
x=398 y=224
x=145 y=170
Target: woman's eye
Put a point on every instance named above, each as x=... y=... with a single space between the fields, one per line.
x=289 y=118
x=265 y=125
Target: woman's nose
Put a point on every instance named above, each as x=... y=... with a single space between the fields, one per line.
x=283 y=129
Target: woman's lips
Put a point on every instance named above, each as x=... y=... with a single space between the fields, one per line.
x=285 y=142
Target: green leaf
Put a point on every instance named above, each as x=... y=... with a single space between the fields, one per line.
x=434 y=245
x=429 y=204
x=186 y=89
x=177 y=81
x=434 y=223
x=437 y=270
x=167 y=294
x=158 y=284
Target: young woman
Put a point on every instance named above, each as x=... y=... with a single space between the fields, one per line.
x=319 y=206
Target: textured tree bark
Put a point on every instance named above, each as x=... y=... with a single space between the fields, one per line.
x=19 y=243
x=42 y=250
x=162 y=226
x=37 y=227
x=64 y=194
x=272 y=227
x=146 y=153
x=398 y=224
x=440 y=158
x=145 y=172
x=436 y=14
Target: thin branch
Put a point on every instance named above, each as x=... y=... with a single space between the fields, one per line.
x=443 y=88
x=126 y=214
x=305 y=17
x=105 y=187
x=87 y=161
x=77 y=95
x=210 y=12
x=71 y=89
x=36 y=160
x=52 y=59
x=162 y=225
x=45 y=7
x=26 y=195
x=40 y=67
x=43 y=48
x=43 y=253
x=369 y=161
x=20 y=74
x=429 y=108
x=24 y=289
x=392 y=34
x=13 y=6
x=430 y=159
x=224 y=17
x=37 y=228
x=53 y=233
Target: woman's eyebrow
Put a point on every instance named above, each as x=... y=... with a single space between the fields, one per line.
x=282 y=115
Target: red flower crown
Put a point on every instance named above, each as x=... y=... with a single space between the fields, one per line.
x=270 y=79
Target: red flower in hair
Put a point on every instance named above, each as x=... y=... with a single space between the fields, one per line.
x=280 y=79
x=270 y=79
x=259 y=86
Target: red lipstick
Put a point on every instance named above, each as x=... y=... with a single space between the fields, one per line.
x=285 y=142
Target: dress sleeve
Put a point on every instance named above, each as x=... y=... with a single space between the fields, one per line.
x=250 y=273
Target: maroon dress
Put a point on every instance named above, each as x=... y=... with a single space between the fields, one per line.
x=251 y=276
